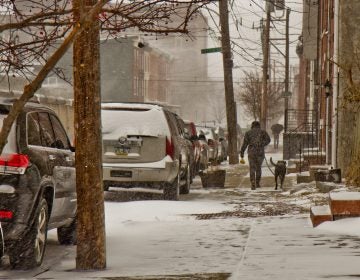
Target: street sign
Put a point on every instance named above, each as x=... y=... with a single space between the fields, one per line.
x=211 y=50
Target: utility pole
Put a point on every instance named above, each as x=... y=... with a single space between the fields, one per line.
x=266 y=53
x=287 y=70
x=228 y=82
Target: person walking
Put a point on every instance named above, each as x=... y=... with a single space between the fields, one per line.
x=255 y=140
x=276 y=130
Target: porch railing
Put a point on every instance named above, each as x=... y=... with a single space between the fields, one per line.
x=303 y=138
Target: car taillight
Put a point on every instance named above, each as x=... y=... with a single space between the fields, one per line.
x=6 y=215
x=170 y=148
x=13 y=163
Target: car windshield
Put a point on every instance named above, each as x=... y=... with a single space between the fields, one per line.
x=146 y=122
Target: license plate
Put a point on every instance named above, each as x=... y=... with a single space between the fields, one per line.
x=121 y=173
x=122 y=151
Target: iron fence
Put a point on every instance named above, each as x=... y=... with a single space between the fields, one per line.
x=304 y=138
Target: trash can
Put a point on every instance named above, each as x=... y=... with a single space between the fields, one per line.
x=213 y=178
x=330 y=175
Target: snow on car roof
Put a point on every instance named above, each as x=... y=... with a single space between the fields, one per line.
x=133 y=119
x=130 y=105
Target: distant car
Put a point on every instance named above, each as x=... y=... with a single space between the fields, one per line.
x=213 y=143
x=191 y=131
x=186 y=142
x=38 y=187
x=204 y=153
x=142 y=146
x=220 y=132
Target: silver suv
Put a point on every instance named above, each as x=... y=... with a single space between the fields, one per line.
x=142 y=146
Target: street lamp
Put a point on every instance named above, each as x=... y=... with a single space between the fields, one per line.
x=327 y=87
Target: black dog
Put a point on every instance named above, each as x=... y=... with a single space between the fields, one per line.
x=280 y=171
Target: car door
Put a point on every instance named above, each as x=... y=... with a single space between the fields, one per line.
x=62 y=167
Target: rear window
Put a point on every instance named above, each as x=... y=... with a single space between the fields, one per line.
x=208 y=132
x=121 y=122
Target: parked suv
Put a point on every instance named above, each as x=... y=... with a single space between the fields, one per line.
x=37 y=184
x=188 y=149
x=142 y=146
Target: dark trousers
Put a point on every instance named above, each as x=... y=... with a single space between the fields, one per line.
x=255 y=162
x=276 y=141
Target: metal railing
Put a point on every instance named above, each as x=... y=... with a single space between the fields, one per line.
x=303 y=138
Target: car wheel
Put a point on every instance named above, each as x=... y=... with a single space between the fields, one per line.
x=34 y=243
x=185 y=188
x=67 y=234
x=171 y=190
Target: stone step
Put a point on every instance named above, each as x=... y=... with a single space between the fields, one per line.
x=303 y=178
x=344 y=204
x=320 y=214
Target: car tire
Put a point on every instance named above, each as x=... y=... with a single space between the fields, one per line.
x=33 y=245
x=67 y=234
x=171 y=190
x=185 y=188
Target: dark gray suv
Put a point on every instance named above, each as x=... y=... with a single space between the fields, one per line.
x=37 y=184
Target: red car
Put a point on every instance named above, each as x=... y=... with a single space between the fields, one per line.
x=196 y=145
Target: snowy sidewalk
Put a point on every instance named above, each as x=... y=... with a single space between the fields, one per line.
x=279 y=248
x=289 y=248
x=164 y=240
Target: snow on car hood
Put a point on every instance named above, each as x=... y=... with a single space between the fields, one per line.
x=116 y=123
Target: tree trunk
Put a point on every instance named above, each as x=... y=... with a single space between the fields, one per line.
x=91 y=251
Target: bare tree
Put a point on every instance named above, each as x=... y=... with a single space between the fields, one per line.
x=249 y=96
x=34 y=37
x=218 y=110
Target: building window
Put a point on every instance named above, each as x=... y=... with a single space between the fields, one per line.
x=136 y=80
x=147 y=63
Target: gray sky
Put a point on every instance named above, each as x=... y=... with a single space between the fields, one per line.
x=246 y=33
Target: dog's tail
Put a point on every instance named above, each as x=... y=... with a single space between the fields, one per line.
x=272 y=161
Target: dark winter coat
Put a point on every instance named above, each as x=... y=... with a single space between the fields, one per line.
x=255 y=140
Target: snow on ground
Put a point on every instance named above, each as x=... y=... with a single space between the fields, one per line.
x=163 y=238
x=349 y=226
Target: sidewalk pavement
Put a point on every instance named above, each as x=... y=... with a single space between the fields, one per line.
x=289 y=248
x=271 y=247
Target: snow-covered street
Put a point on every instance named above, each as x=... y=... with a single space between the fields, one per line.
x=231 y=233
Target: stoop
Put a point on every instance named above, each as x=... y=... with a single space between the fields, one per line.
x=345 y=204
x=320 y=214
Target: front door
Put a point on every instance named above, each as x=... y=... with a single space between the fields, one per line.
x=62 y=166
